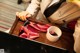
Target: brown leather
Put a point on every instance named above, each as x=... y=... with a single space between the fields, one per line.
x=67 y=13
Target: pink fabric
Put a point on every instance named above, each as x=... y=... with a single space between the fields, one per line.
x=40 y=27
x=31 y=31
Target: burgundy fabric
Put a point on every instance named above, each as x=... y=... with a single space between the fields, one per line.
x=71 y=25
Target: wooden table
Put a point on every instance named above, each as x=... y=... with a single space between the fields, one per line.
x=66 y=41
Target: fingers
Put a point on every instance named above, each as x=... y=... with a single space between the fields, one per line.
x=28 y=15
x=17 y=13
x=22 y=15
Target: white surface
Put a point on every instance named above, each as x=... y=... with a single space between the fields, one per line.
x=53 y=29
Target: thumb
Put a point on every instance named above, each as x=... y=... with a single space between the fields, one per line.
x=17 y=13
x=29 y=15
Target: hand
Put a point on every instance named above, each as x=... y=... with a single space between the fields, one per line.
x=23 y=15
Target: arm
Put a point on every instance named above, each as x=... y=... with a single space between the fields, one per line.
x=33 y=7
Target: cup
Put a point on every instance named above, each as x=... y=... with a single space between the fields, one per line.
x=53 y=33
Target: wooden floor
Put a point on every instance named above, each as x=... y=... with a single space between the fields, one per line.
x=8 y=9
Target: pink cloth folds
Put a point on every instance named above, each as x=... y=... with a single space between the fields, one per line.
x=31 y=31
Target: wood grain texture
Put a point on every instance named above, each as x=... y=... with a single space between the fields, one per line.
x=66 y=41
x=8 y=9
